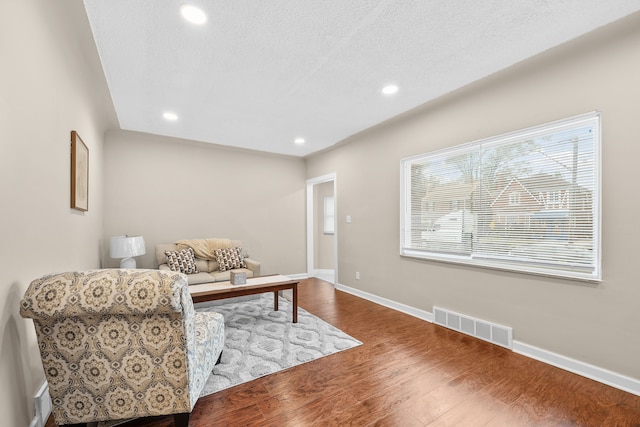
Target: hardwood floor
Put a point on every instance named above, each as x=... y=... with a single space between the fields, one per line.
x=410 y=373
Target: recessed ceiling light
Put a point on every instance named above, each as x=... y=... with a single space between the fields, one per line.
x=390 y=89
x=193 y=14
x=299 y=140
x=168 y=115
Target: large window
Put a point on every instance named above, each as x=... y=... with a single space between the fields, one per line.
x=526 y=201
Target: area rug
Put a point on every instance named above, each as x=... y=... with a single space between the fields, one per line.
x=260 y=341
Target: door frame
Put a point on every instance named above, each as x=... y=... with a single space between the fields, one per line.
x=310 y=222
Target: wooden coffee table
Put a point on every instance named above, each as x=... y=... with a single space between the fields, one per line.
x=255 y=285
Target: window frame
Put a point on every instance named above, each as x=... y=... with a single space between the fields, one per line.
x=407 y=228
x=329 y=215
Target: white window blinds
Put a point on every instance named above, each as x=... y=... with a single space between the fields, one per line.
x=526 y=201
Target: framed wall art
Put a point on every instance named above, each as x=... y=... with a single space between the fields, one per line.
x=79 y=173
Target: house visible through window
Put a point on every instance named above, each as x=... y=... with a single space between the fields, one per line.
x=525 y=201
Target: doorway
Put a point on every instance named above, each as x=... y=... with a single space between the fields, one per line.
x=322 y=229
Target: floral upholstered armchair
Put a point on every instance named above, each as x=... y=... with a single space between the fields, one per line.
x=118 y=344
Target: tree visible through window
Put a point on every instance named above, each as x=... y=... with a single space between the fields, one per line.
x=527 y=201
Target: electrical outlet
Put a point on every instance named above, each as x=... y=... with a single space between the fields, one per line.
x=348 y=219
x=357 y=275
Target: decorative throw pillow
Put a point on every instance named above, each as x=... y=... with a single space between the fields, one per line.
x=182 y=261
x=229 y=258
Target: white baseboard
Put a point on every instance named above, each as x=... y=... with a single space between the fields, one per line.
x=604 y=376
x=420 y=314
x=613 y=379
x=324 y=274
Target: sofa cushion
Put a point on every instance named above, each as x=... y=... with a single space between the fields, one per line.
x=202 y=265
x=198 y=278
x=230 y=258
x=182 y=261
x=213 y=266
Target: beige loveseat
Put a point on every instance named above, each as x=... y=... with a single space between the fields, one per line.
x=213 y=259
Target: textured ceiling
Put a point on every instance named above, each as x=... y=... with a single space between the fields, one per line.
x=260 y=73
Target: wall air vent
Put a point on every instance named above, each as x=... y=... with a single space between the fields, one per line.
x=487 y=331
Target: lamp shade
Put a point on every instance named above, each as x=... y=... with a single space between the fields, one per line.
x=127 y=246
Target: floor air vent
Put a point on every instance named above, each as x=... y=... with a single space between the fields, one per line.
x=496 y=334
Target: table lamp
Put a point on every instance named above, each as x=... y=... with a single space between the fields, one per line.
x=126 y=247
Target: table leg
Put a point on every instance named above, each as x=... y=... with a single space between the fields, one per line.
x=295 y=303
x=275 y=300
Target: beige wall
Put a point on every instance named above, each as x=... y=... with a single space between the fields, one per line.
x=324 y=258
x=595 y=323
x=168 y=189
x=51 y=82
